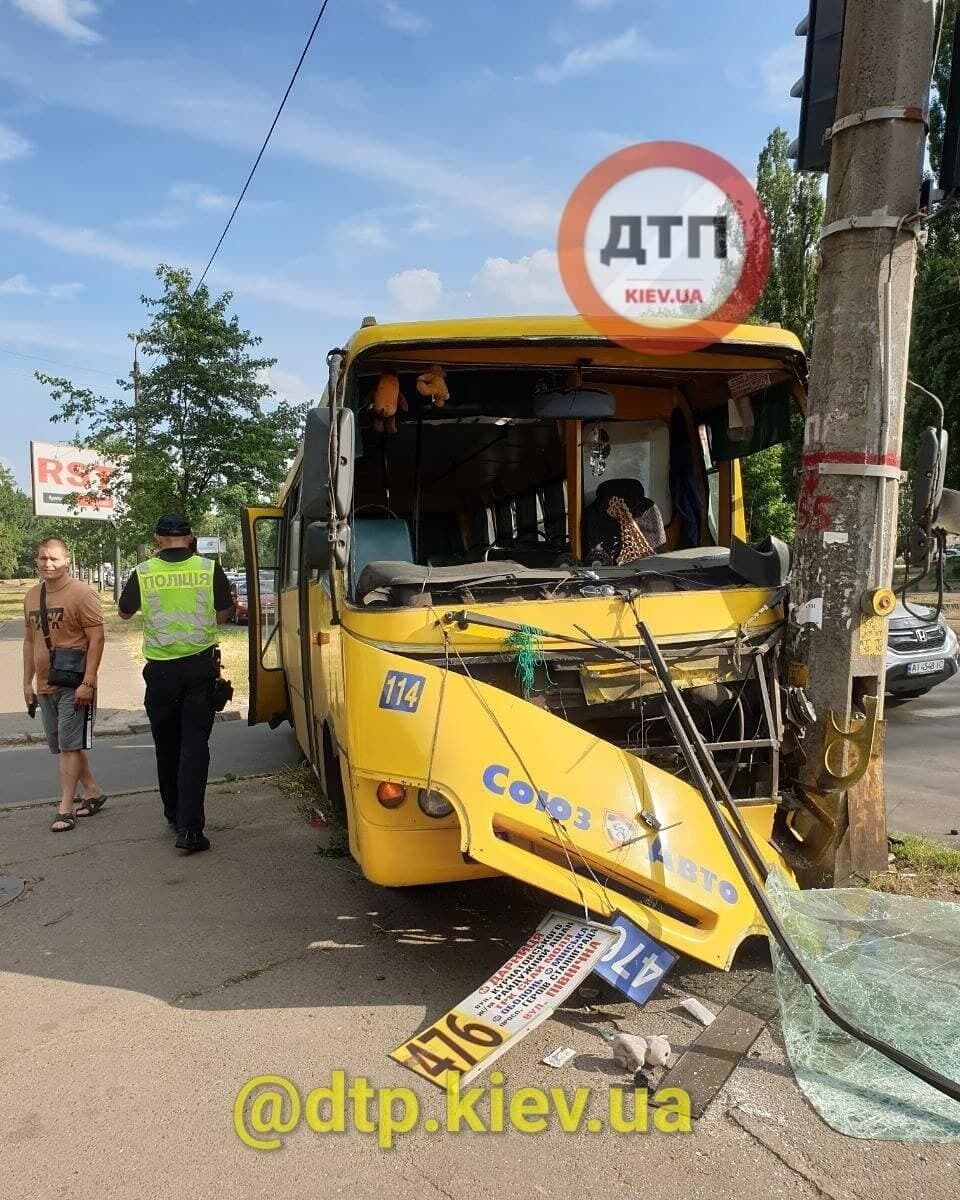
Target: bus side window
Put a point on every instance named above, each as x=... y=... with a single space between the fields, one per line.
x=554 y=508
x=292 y=523
x=525 y=508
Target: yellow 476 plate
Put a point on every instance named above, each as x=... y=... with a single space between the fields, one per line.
x=458 y=1041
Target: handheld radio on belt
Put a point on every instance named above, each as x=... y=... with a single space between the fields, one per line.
x=222 y=688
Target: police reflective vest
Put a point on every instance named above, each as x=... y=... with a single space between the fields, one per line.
x=176 y=599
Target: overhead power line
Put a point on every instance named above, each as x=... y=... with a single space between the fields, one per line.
x=266 y=140
x=55 y=363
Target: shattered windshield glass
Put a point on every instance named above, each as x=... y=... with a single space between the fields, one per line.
x=891 y=964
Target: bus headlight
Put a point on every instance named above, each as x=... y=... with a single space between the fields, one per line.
x=434 y=804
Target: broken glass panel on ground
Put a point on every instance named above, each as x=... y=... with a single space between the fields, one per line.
x=11 y=886
x=891 y=964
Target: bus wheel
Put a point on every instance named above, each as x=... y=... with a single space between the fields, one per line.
x=332 y=780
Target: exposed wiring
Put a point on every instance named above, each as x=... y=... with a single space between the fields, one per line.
x=436 y=724
x=266 y=140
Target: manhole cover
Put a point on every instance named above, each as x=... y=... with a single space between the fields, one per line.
x=10 y=888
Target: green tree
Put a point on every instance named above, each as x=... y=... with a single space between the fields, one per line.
x=19 y=528
x=935 y=347
x=192 y=429
x=793 y=202
x=794 y=206
x=766 y=508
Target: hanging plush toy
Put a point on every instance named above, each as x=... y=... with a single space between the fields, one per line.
x=387 y=400
x=433 y=385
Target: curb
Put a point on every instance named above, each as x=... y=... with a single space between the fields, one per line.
x=39 y=739
x=146 y=791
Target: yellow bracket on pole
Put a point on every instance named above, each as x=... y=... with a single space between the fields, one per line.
x=859 y=737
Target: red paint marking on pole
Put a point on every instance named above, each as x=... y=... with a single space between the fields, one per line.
x=855 y=457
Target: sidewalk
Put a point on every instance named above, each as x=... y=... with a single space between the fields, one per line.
x=120 y=691
x=149 y=987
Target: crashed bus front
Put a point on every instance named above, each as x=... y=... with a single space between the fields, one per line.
x=482 y=516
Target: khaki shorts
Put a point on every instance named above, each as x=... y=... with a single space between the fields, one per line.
x=66 y=726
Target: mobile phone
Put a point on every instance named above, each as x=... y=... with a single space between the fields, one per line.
x=32 y=708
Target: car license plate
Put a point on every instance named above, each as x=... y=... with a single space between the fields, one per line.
x=926 y=668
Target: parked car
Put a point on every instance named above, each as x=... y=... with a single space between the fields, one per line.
x=921 y=651
x=238 y=590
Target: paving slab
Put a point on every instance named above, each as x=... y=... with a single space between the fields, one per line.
x=146 y=988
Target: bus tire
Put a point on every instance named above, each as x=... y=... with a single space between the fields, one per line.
x=332 y=780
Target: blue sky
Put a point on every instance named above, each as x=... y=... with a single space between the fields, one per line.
x=419 y=169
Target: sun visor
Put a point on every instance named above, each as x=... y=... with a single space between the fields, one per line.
x=747 y=423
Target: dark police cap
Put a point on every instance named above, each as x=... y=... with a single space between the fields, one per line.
x=170 y=525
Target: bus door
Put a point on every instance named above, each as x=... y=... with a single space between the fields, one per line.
x=268 y=686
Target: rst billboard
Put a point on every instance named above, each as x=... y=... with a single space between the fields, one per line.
x=69 y=482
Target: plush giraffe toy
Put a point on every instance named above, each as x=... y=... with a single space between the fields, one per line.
x=633 y=542
x=433 y=385
x=387 y=401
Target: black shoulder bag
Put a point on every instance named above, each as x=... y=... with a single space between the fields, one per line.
x=67 y=667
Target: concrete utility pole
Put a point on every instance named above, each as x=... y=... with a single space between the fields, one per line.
x=847 y=510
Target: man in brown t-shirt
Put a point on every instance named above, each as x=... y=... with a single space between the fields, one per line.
x=75 y=622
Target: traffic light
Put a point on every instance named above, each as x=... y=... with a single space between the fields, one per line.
x=817 y=89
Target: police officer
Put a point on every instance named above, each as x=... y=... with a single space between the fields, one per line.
x=183 y=597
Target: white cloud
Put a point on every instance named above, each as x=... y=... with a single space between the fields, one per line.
x=184 y=199
x=20 y=285
x=198 y=195
x=602 y=142
x=522 y=285
x=629 y=47
x=17 y=285
x=63 y=16
x=12 y=144
x=780 y=70
x=26 y=333
x=65 y=291
x=416 y=293
x=288 y=386
x=162 y=221
x=89 y=243
x=366 y=232
x=400 y=18
x=424 y=224
x=226 y=112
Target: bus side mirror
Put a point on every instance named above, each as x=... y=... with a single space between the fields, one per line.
x=319 y=453
x=323 y=542
x=345 y=462
x=315 y=488
x=316 y=547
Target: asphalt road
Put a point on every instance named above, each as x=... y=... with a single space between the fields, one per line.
x=923 y=764
x=125 y=764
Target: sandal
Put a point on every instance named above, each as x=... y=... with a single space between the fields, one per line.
x=66 y=821
x=90 y=808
